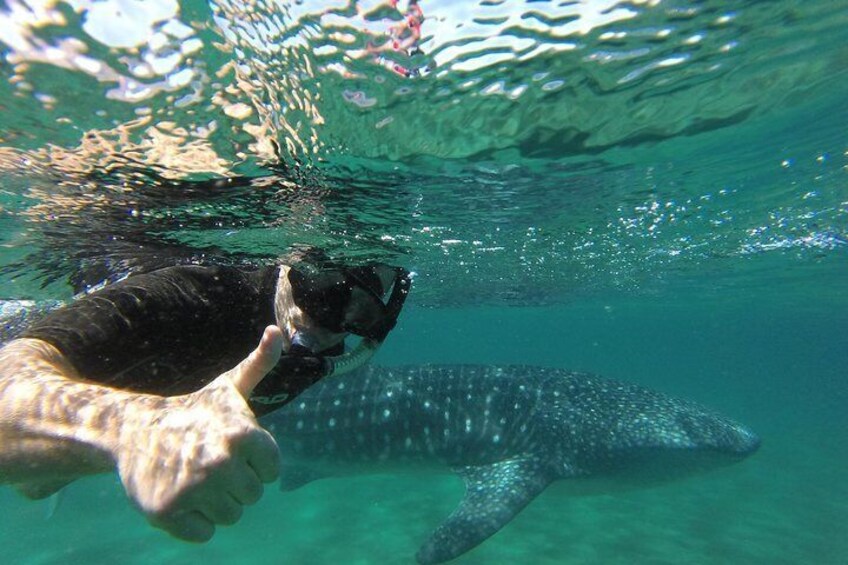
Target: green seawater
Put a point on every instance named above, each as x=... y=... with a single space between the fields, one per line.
x=781 y=372
x=652 y=191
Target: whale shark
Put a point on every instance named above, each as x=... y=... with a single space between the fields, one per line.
x=508 y=431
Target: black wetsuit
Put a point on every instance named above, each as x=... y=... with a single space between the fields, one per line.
x=174 y=330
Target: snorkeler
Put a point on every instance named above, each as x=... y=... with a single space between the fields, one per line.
x=134 y=377
x=403 y=38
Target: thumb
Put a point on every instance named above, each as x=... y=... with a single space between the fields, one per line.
x=247 y=374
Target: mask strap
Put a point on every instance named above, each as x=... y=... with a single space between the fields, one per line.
x=400 y=290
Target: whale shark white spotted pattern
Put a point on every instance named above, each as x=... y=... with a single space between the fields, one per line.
x=509 y=431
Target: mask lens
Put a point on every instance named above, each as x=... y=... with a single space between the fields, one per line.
x=364 y=312
x=322 y=296
x=300 y=346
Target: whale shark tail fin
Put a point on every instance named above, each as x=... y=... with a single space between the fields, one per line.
x=494 y=494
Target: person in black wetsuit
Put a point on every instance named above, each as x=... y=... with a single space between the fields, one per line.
x=158 y=376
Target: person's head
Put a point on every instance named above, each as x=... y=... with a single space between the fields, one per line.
x=318 y=307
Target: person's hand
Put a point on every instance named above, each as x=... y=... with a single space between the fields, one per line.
x=193 y=462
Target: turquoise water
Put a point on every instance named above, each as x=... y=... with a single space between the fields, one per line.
x=653 y=192
x=779 y=371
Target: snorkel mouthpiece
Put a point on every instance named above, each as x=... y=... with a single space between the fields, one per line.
x=299 y=345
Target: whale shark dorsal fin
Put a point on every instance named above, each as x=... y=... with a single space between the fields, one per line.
x=494 y=494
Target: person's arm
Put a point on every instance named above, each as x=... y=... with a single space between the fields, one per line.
x=188 y=462
x=165 y=332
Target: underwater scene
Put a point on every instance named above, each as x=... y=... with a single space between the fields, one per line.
x=626 y=224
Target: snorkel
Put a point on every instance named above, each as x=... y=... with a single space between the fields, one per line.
x=373 y=337
x=351 y=360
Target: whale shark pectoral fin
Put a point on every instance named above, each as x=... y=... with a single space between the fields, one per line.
x=42 y=489
x=494 y=494
x=295 y=476
x=52 y=491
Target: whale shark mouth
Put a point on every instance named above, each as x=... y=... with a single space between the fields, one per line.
x=747 y=442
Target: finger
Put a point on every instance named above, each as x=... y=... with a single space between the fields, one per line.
x=188 y=526
x=247 y=374
x=261 y=453
x=245 y=485
x=222 y=509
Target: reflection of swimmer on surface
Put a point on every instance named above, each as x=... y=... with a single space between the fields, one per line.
x=403 y=38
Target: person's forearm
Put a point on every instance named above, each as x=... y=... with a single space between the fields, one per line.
x=54 y=426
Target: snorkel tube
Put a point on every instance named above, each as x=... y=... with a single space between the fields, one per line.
x=353 y=359
x=373 y=339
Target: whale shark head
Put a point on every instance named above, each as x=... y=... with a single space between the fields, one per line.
x=628 y=431
x=687 y=444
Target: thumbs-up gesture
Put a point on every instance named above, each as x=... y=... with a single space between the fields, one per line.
x=193 y=462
